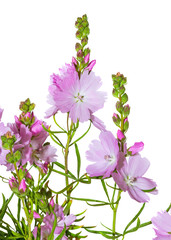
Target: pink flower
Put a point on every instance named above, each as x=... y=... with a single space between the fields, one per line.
x=22 y=186
x=91 y=65
x=162 y=223
x=104 y=154
x=77 y=96
x=129 y=178
x=136 y=148
x=120 y=135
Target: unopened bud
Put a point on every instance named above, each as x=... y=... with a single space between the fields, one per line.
x=124 y=98
x=79 y=35
x=119 y=107
x=74 y=61
x=84 y=41
x=78 y=46
x=120 y=135
x=136 y=148
x=126 y=124
x=22 y=186
x=80 y=54
x=116 y=119
x=91 y=65
x=86 y=58
x=126 y=111
x=115 y=93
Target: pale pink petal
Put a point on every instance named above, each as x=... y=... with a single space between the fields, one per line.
x=138 y=165
x=137 y=194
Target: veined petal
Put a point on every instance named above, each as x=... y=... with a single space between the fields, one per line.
x=137 y=165
x=138 y=194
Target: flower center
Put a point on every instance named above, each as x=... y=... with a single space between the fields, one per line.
x=79 y=98
x=109 y=158
x=130 y=181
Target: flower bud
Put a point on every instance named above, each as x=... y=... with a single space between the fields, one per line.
x=26 y=106
x=124 y=98
x=80 y=54
x=116 y=119
x=120 y=135
x=121 y=90
x=52 y=203
x=22 y=186
x=78 y=35
x=126 y=110
x=84 y=41
x=74 y=61
x=115 y=93
x=36 y=127
x=126 y=124
x=119 y=107
x=91 y=65
x=86 y=31
x=78 y=46
x=13 y=183
x=8 y=140
x=36 y=215
x=136 y=148
x=86 y=58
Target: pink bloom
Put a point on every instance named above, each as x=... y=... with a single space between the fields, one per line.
x=120 y=135
x=22 y=186
x=162 y=223
x=86 y=58
x=136 y=148
x=36 y=215
x=91 y=65
x=104 y=154
x=77 y=96
x=129 y=178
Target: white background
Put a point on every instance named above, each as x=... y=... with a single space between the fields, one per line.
x=127 y=36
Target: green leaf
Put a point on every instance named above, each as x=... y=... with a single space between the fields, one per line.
x=63 y=167
x=64 y=189
x=78 y=160
x=5 y=205
x=62 y=233
x=51 y=236
x=134 y=218
x=105 y=189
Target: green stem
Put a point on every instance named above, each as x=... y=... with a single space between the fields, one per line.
x=24 y=206
x=115 y=211
x=66 y=160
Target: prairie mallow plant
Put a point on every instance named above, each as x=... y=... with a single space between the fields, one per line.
x=43 y=213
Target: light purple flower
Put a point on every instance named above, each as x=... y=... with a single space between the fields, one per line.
x=120 y=135
x=129 y=178
x=77 y=96
x=22 y=186
x=136 y=148
x=104 y=154
x=162 y=223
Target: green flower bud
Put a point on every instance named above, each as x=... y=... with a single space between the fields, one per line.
x=116 y=84
x=86 y=31
x=126 y=124
x=115 y=93
x=79 y=35
x=124 y=98
x=121 y=90
x=8 y=141
x=26 y=106
x=85 y=23
x=126 y=110
x=80 y=54
x=79 y=19
x=116 y=119
x=119 y=107
x=86 y=51
x=17 y=156
x=78 y=46
x=84 y=17
x=84 y=41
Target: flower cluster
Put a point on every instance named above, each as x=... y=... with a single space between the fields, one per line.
x=61 y=222
x=25 y=140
